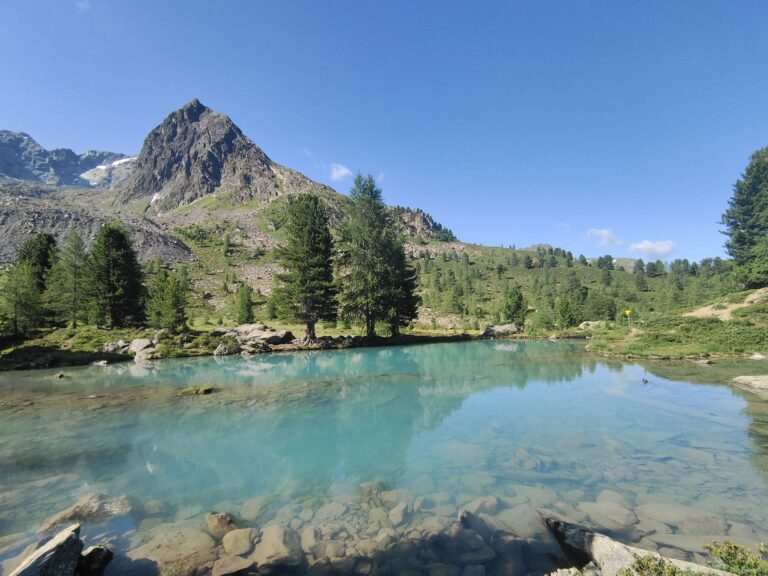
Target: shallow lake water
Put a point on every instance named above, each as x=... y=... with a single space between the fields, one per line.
x=662 y=464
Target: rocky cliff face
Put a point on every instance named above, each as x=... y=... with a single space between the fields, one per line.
x=24 y=159
x=196 y=151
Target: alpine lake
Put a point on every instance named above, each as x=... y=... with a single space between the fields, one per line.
x=366 y=450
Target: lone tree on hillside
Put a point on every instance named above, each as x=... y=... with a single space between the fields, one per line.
x=65 y=292
x=514 y=307
x=113 y=279
x=746 y=221
x=306 y=292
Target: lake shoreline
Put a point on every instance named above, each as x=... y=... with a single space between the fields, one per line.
x=29 y=355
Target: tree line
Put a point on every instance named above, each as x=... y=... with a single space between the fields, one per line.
x=50 y=285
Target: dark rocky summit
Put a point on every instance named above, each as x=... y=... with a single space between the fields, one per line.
x=24 y=159
x=196 y=151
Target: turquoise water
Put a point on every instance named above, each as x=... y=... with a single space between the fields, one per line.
x=537 y=424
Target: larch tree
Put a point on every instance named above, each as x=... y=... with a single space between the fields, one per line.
x=20 y=300
x=65 y=292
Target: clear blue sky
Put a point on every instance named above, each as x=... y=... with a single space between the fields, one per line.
x=510 y=122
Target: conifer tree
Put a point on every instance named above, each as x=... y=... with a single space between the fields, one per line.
x=243 y=305
x=65 y=292
x=514 y=306
x=40 y=252
x=746 y=221
x=20 y=300
x=364 y=254
x=167 y=301
x=113 y=279
x=306 y=292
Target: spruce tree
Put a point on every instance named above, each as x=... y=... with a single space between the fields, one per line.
x=20 y=300
x=113 y=279
x=65 y=292
x=306 y=291
x=401 y=303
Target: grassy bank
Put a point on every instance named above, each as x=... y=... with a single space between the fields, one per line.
x=86 y=344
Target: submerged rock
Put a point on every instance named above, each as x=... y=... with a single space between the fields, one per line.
x=278 y=547
x=219 y=523
x=239 y=542
x=94 y=561
x=90 y=509
x=173 y=544
x=230 y=565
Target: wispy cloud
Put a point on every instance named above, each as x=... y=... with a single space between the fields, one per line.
x=604 y=237
x=339 y=172
x=83 y=6
x=380 y=177
x=654 y=249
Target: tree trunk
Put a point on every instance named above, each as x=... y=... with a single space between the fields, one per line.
x=370 y=327
x=310 y=337
x=394 y=327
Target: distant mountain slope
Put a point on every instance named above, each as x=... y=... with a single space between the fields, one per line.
x=22 y=158
x=196 y=151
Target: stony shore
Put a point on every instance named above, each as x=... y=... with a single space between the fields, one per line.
x=375 y=531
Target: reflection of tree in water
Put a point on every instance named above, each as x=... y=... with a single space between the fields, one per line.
x=350 y=418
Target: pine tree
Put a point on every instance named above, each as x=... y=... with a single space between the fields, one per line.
x=65 y=292
x=401 y=303
x=113 y=279
x=40 y=252
x=306 y=292
x=243 y=305
x=363 y=254
x=20 y=301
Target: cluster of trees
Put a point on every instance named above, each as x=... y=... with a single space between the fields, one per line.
x=363 y=275
x=50 y=285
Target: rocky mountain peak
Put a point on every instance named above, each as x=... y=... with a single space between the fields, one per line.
x=196 y=151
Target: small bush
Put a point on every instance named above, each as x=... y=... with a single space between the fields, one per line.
x=738 y=559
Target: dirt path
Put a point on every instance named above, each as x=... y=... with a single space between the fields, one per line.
x=725 y=311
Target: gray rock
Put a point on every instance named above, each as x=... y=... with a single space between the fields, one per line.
x=473 y=570
x=400 y=513
x=479 y=556
x=501 y=331
x=94 y=561
x=239 y=542
x=607 y=554
x=144 y=355
x=58 y=557
x=231 y=565
x=225 y=350
x=90 y=509
x=138 y=345
x=759 y=382
x=278 y=547
x=173 y=544
x=219 y=523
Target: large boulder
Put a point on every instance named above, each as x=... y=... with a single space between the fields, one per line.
x=60 y=556
x=138 y=345
x=501 y=331
x=278 y=547
x=177 y=544
x=611 y=557
x=253 y=335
